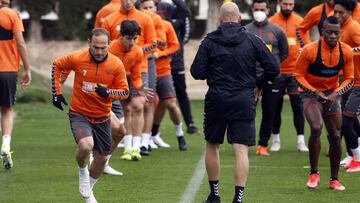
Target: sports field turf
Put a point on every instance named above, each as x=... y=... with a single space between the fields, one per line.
x=45 y=169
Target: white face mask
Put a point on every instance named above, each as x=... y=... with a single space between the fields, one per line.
x=259 y=16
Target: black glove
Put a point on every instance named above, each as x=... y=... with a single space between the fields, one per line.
x=102 y=91
x=57 y=100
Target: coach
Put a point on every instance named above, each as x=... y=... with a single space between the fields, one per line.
x=227 y=60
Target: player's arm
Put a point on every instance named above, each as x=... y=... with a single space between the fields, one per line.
x=267 y=62
x=283 y=46
x=348 y=73
x=120 y=89
x=300 y=71
x=135 y=74
x=149 y=35
x=201 y=62
x=311 y=19
x=160 y=33
x=172 y=44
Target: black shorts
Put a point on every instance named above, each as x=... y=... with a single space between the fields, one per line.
x=117 y=109
x=165 y=87
x=238 y=131
x=352 y=106
x=8 y=82
x=99 y=128
x=311 y=101
x=286 y=84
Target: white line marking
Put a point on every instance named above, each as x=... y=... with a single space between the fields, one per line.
x=195 y=182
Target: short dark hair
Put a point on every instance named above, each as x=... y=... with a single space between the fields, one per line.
x=330 y=20
x=129 y=28
x=349 y=5
x=98 y=32
x=261 y=1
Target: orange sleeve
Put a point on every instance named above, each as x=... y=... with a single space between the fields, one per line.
x=171 y=40
x=136 y=79
x=149 y=44
x=160 y=32
x=348 y=72
x=61 y=65
x=17 y=24
x=120 y=87
x=311 y=19
x=301 y=68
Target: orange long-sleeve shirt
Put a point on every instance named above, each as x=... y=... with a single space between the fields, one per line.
x=330 y=58
x=106 y=10
x=163 y=67
x=350 y=35
x=159 y=28
x=289 y=24
x=132 y=61
x=355 y=14
x=109 y=73
x=10 y=23
x=313 y=17
x=147 y=39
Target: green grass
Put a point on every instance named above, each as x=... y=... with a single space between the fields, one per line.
x=45 y=169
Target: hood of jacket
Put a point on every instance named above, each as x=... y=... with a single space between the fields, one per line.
x=228 y=34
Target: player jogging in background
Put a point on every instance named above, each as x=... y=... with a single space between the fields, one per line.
x=350 y=34
x=12 y=48
x=317 y=73
x=288 y=20
x=99 y=78
x=111 y=7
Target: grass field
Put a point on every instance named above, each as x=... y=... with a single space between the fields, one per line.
x=45 y=169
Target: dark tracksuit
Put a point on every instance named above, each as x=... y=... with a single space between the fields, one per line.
x=276 y=40
x=227 y=60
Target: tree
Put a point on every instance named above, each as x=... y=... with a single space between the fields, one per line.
x=36 y=8
x=213 y=15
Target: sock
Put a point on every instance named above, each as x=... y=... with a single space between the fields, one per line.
x=214 y=190
x=314 y=171
x=93 y=182
x=145 y=138
x=356 y=153
x=107 y=162
x=136 y=142
x=83 y=171
x=128 y=141
x=178 y=130
x=239 y=191
x=6 y=141
x=300 y=139
x=276 y=137
x=334 y=178
x=91 y=158
x=155 y=129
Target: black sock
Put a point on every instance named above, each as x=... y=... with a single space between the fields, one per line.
x=314 y=171
x=334 y=178
x=155 y=129
x=214 y=190
x=239 y=191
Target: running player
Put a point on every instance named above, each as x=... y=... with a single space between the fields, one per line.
x=99 y=78
x=13 y=47
x=317 y=73
x=288 y=21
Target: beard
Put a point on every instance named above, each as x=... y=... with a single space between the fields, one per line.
x=286 y=13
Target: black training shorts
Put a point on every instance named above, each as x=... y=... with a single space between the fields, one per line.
x=8 y=82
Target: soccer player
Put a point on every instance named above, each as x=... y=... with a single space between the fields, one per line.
x=99 y=78
x=315 y=17
x=111 y=7
x=13 y=48
x=164 y=84
x=275 y=39
x=230 y=101
x=288 y=21
x=147 y=42
x=350 y=34
x=317 y=73
x=131 y=55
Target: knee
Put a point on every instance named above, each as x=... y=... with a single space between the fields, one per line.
x=316 y=129
x=6 y=110
x=86 y=147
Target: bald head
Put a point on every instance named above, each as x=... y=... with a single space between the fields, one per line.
x=229 y=12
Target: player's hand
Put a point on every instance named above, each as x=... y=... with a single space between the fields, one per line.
x=148 y=93
x=26 y=79
x=102 y=91
x=321 y=97
x=331 y=99
x=155 y=55
x=57 y=100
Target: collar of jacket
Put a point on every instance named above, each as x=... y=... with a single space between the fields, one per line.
x=131 y=11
